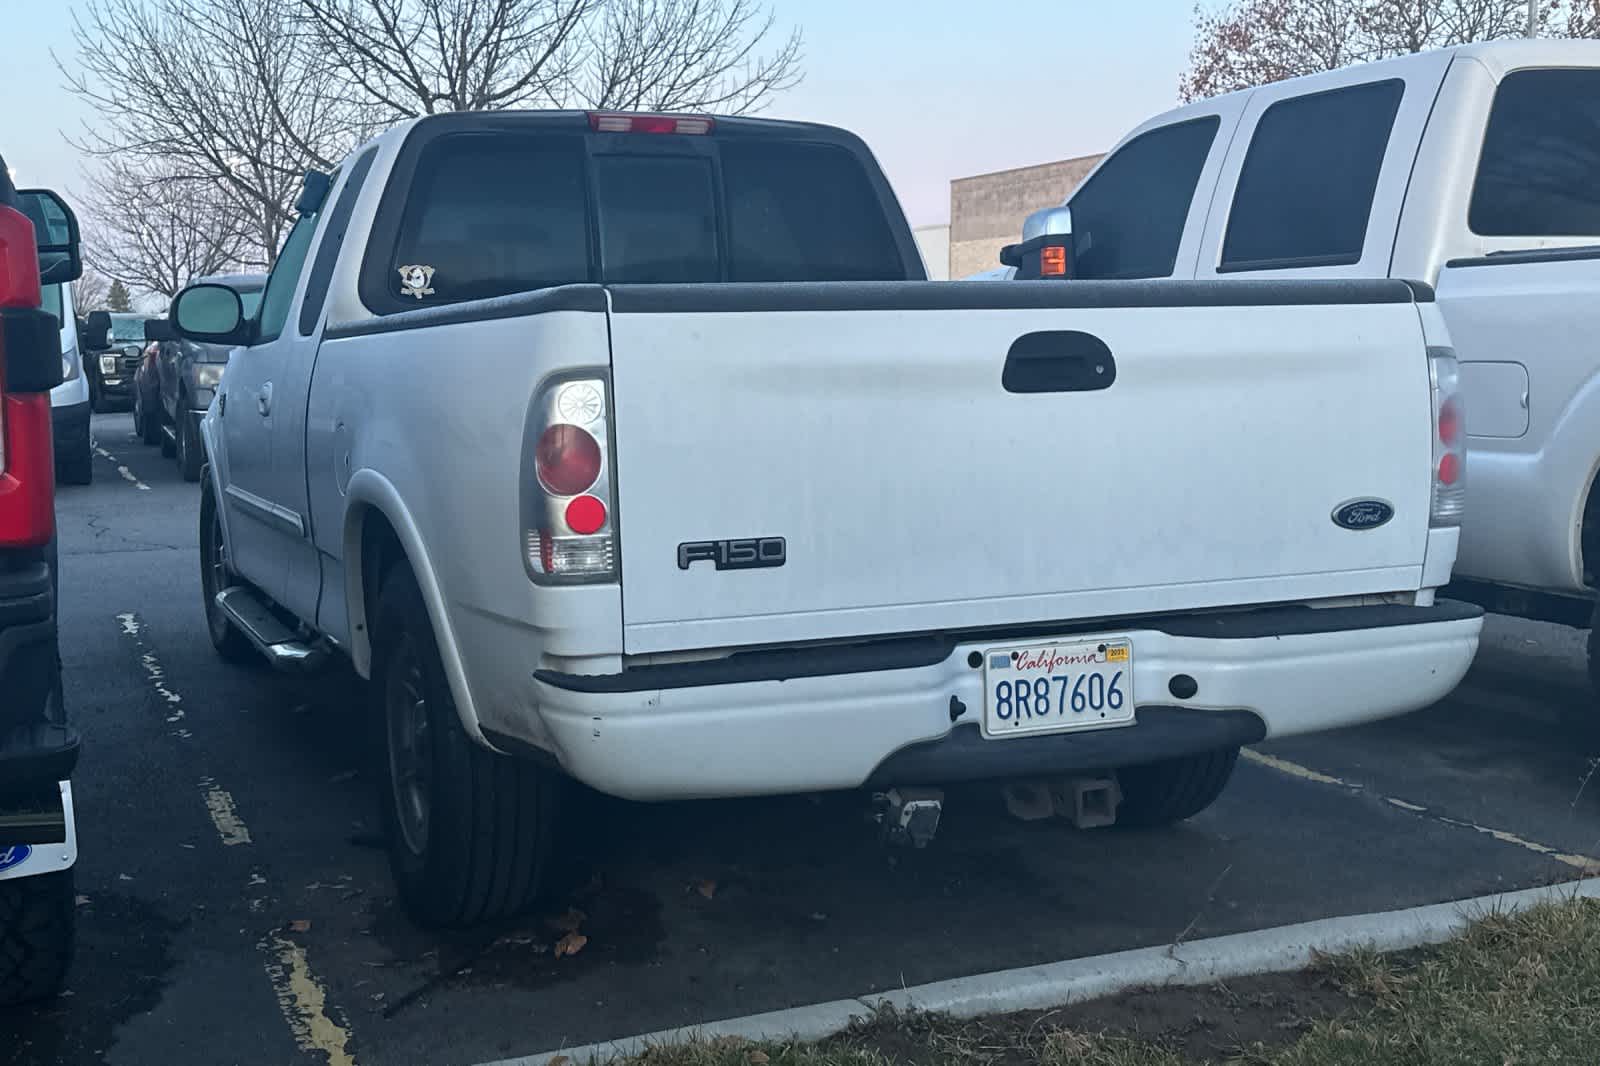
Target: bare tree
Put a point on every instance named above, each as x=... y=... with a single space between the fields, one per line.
x=1252 y=42
x=89 y=292
x=418 y=57
x=160 y=232
x=225 y=92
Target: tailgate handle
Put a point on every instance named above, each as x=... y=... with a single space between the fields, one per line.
x=1060 y=360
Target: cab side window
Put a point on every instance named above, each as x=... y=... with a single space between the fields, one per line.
x=1305 y=190
x=1541 y=152
x=1128 y=218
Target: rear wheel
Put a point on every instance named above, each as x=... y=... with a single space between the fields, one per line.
x=190 y=452
x=145 y=422
x=469 y=831
x=36 y=933
x=1161 y=793
x=216 y=575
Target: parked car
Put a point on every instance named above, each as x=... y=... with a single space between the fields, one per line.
x=183 y=377
x=69 y=401
x=113 y=362
x=831 y=527
x=38 y=748
x=147 y=420
x=1470 y=169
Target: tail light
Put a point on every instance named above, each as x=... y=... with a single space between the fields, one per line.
x=569 y=526
x=1449 y=439
x=27 y=458
x=628 y=122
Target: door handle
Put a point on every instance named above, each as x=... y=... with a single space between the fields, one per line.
x=1065 y=360
x=264 y=400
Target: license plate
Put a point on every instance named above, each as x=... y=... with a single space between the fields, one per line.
x=1052 y=688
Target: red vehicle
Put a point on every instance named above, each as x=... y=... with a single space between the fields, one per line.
x=38 y=748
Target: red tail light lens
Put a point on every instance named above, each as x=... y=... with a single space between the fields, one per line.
x=19 y=260
x=1449 y=469
x=1449 y=423
x=586 y=515
x=567 y=459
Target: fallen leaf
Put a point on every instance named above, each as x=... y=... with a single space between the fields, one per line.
x=559 y=1060
x=570 y=944
x=300 y=925
x=570 y=921
x=758 y=1058
x=706 y=888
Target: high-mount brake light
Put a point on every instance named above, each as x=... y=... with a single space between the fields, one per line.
x=628 y=122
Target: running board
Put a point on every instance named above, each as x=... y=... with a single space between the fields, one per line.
x=282 y=646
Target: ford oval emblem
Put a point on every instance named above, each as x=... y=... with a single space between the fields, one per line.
x=1362 y=514
x=15 y=855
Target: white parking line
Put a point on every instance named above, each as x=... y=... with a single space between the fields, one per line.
x=224 y=815
x=127 y=475
x=1283 y=766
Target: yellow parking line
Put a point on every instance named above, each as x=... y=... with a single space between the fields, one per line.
x=304 y=1002
x=1305 y=773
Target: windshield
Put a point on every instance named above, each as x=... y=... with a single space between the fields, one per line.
x=127 y=328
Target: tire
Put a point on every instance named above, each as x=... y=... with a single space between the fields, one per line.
x=76 y=467
x=469 y=831
x=216 y=575
x=145 y=423
x=1161 y=793
x=97 y=403
x=169 y=444
x=1588 y=725
x=191 y=455
x=36 y=933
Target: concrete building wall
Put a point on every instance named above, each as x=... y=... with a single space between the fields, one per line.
x=986 y=211
x=934 y=244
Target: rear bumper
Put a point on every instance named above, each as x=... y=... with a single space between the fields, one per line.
x=906 y=711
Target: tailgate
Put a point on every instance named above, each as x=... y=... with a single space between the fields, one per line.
x=955 y=455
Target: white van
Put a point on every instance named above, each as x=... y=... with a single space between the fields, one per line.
x=69 y=401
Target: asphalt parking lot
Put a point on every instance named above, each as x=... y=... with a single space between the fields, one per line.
x=235 y=906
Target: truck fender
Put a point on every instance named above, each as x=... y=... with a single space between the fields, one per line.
x=1571 y=463
x=371 y=493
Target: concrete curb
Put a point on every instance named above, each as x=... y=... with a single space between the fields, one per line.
x=1289 y=947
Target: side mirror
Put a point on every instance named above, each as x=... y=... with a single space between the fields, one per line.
x=55 y=231
x=210 y=314
x=158 y=329
x=96 y=335
x=1046 y=250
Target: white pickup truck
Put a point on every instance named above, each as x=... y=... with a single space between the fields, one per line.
x=634 y=449
x=1472 y=169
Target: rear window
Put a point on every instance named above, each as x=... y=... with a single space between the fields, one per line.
x=804 y=212
x=488 y=215
x=491 y=214
x=1305 y=189
x=1539 y=174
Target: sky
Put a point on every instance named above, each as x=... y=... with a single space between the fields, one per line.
x=939 y=89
